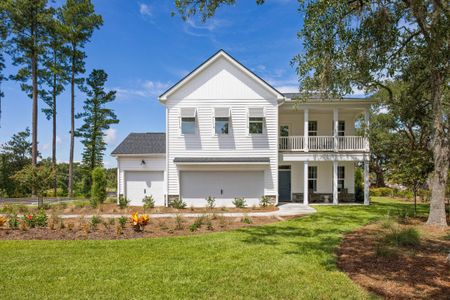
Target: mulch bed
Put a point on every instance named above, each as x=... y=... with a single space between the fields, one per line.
x=81 y=229
x=112 y=208
x=415 y=273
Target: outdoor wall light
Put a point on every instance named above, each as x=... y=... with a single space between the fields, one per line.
x=143 y=163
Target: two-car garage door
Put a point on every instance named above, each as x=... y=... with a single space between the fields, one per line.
x=144 y=183
x=195 y=186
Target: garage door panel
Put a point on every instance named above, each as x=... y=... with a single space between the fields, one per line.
x=223 y=185
x=144 y=183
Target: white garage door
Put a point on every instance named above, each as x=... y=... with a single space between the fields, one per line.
x=223 y=185
x=144 y=183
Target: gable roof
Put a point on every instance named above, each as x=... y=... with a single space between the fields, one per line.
x=208 y=62
x=142 y=143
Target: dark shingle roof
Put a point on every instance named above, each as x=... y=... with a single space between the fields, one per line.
x=220 y=159
x=142 y=143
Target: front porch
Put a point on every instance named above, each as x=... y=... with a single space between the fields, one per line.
x=328 y=182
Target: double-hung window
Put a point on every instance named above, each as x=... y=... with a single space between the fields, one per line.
x=221 y=120
x=256 y=120
x=188 y=120
x=312 y=128
x=312 y=178
x=341 y=128
x=341 y=177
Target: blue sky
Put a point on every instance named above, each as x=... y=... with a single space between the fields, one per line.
x=145 y=50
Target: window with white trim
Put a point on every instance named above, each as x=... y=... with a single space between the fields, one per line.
x=341 y=128
x=312 y=178
x=312 y=128
x=221 y=120
x=341 y=177
x=188 y=121
x=256 y=120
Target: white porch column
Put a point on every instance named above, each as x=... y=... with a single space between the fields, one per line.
x=335 y=127
x=366 y=130
x=305 y=129
x=366 y=183
x=305 y=183
x=335 y=182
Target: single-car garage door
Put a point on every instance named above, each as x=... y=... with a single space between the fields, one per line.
x=144 y=183
x=223 y=185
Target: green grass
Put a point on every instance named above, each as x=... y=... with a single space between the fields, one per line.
x=286 y=260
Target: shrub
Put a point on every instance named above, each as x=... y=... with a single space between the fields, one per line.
x=178 y=203
x=211 y=202
x=98 y=189
x=383 y=250
x=139 y=222
x=95 y=220
x=119 y=229
x=246 y=219
x=407 y=237
x=36 y=220
x=149 y=202
x=265 y=201
x=239 y=202
x=197 y=224
x=359 y=186
x=3 y=221
x=179 y=222
x=13 y=221
x=381 y=192
x=123 y=221
x=403 y=216
x=123 y=202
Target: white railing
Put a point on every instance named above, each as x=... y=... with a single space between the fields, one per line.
x=323 y=143
x=292 y=143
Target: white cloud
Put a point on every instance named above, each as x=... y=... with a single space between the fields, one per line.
x=145 y=9
x=110 y=136
x=143 y=89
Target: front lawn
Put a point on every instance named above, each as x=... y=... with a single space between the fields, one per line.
x=286 y=260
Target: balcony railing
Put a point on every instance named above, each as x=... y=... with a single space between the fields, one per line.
x=323 y=143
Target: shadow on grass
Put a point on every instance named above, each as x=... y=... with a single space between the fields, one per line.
x=321 y=233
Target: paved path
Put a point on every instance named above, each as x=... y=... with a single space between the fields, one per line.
x=285 y=210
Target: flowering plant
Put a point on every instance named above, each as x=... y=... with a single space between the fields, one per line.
x=139 y=222
x=2 y=221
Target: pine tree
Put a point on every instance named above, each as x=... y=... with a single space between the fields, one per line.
x=4 y=28
x=97 y=118
x=29 y=21
x=56 y=77
x=79 y=22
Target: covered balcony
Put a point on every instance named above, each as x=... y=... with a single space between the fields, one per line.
x=323 y=143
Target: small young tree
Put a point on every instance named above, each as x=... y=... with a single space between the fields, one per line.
x=37 y=178
x=97 y=118
x=98 y=191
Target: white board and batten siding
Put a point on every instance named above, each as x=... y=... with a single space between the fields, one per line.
x=222 y=84
x=137 y=179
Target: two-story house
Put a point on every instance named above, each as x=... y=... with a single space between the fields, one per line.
x=230 y=134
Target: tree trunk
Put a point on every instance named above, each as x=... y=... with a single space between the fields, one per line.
x=437 y=216
x=55 y=180
x=415 y=201
x=72 y=125
x=34 y=118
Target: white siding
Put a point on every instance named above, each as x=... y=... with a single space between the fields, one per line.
x=223 y=85
x=134 y=163
x=324 y=122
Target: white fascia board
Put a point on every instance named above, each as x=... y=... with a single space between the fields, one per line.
x=210 y=61
x=287 y=157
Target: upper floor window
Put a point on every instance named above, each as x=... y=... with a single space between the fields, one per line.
x=312 y=128
x=256 y=120
x=284 y=130
x=341 y=128
x=188 y=120
x=221 y=120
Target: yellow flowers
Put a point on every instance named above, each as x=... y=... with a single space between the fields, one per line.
x=2 y=221
x=139 y=222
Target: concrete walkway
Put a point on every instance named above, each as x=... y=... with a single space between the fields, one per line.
x=285 y=210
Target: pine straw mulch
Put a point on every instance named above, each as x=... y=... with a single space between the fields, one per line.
x=81 y=228
x=422 y=272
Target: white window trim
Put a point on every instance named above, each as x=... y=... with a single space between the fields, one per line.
x=214 y=133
